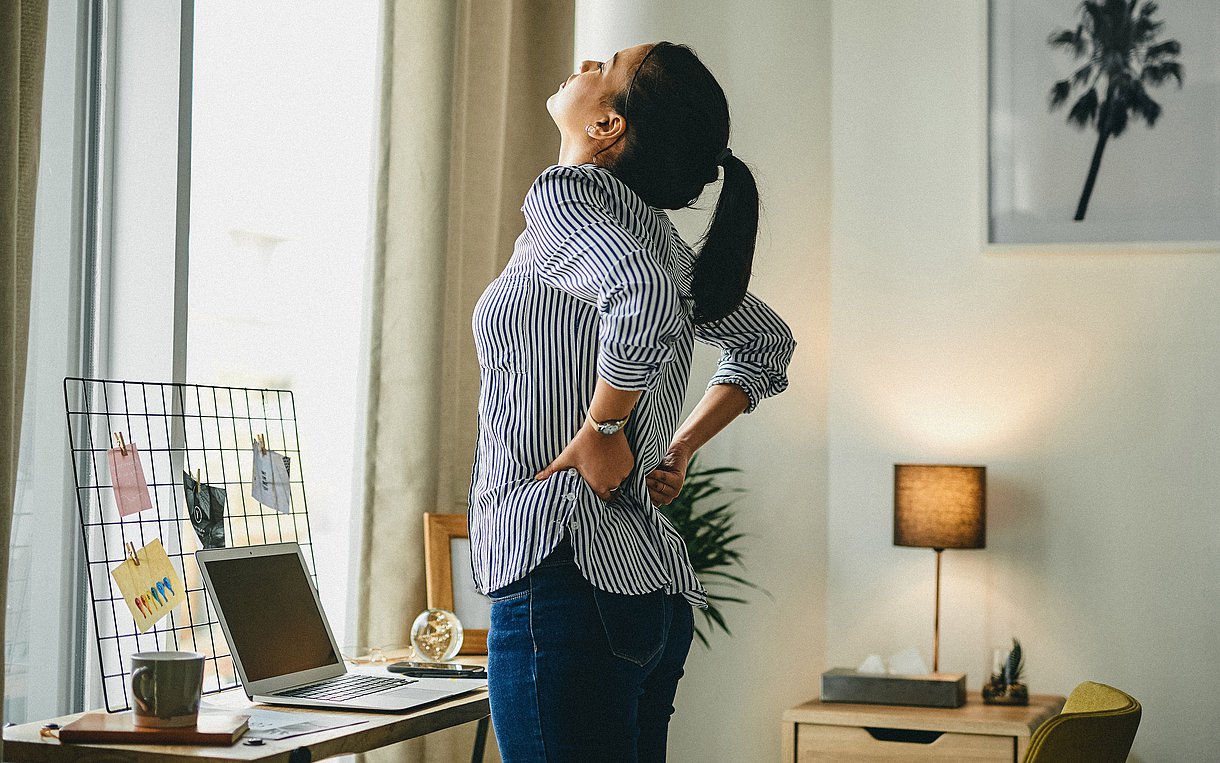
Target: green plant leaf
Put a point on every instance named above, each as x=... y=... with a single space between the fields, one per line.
x=713 y=614
x=712 y=542
x=734 y=578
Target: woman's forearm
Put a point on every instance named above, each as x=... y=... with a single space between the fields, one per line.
x=603 y=460
x=720 y=405
x=610 y=403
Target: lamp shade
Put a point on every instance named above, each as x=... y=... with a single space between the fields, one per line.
x=938 y=506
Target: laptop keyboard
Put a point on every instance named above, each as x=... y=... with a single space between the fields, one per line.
x=345 y=687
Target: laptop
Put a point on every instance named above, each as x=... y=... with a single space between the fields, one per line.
x=282 y=645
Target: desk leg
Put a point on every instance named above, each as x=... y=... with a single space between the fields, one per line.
x=480 y=741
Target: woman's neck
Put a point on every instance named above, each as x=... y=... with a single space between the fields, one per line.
x=574 y=153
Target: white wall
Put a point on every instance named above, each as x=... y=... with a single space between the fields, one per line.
x=1086 y=384
x=772 y=61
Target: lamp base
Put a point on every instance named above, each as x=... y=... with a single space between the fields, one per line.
x=932 y=690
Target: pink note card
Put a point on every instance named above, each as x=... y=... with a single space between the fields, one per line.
x=127 y=478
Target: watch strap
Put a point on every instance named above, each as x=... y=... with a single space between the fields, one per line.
x=610 y=426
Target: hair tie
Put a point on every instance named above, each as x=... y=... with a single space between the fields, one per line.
x=723 y=155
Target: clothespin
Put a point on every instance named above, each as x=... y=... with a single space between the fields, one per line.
x=197 y=480
x=118 y=436
x=262 y=444
x=131 y=547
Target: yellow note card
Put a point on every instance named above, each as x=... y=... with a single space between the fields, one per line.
x=150 y=587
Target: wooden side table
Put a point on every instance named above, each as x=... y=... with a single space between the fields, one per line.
x=833 y=731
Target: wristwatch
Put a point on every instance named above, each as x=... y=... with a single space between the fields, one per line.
x=609 y=427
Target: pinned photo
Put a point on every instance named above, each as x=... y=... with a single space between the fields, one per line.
x=271 y=473
x=149 y=583
x=205 y=504
x=127 y=477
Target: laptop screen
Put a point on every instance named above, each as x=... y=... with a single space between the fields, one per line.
x=274 y=623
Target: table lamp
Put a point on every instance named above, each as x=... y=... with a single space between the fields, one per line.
x=939 y=507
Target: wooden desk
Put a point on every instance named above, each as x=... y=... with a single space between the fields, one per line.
x=23 y=743
x=833 y=731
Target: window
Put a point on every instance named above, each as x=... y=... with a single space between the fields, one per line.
x=282 y=141
x=279 y=155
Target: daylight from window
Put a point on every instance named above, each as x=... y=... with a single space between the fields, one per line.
x=284 y=119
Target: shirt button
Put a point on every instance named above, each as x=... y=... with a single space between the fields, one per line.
x=574 y=524
x=569 y=497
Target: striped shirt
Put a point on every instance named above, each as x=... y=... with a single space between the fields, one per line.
x=598 y=286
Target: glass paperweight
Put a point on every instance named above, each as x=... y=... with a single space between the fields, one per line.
x=436 y=635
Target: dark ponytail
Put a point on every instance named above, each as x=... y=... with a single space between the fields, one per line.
x=722 y=270
x=677 y=133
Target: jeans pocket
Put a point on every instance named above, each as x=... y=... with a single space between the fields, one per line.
x=512 y=591
x=634 y=623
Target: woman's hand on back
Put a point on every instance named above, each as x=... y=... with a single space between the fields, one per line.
x=603 y=461
x=665 y=482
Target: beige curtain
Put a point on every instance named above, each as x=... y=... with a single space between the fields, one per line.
x=464 y=131
x=23 y=33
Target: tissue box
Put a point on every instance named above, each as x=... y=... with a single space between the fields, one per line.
x=932 y=690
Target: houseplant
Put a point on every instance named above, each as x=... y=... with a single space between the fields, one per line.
x=1005 y=686
x=702 y=514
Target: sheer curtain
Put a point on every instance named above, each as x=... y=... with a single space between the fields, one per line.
x=464 y=131
x=23 y=31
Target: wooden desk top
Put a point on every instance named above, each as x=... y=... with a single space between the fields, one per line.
x=974 y=717
x=23 y=743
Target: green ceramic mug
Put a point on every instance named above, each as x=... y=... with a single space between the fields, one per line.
x=165 y=688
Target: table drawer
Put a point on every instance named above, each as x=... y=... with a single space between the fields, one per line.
x=852 y=743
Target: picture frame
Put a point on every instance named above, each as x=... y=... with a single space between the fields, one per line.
x=1153 y=189
x=450 y=581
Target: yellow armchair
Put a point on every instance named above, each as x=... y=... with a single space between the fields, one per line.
x=1097 y=725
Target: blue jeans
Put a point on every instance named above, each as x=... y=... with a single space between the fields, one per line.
x=579 y=674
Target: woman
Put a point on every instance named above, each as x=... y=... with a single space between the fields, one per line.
x=584 y=346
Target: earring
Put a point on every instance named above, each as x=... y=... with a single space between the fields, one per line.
x=589 y=129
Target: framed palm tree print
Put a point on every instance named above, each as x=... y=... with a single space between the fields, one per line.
x=1104 y=123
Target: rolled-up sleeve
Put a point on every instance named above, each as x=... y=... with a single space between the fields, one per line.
x=756 y=347
x=590 y=255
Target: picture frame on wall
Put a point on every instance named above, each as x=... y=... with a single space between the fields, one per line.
x=1100 y=145
x=450 y=580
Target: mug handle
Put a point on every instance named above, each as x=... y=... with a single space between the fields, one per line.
x=142 y=702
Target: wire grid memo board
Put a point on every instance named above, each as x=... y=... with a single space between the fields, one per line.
x=177 y=427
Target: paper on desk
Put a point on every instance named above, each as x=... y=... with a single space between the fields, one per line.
x=272 y=724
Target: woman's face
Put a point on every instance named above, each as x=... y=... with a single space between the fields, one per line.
x=583 y=99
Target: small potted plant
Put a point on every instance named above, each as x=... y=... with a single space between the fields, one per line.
x=1005 y=686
